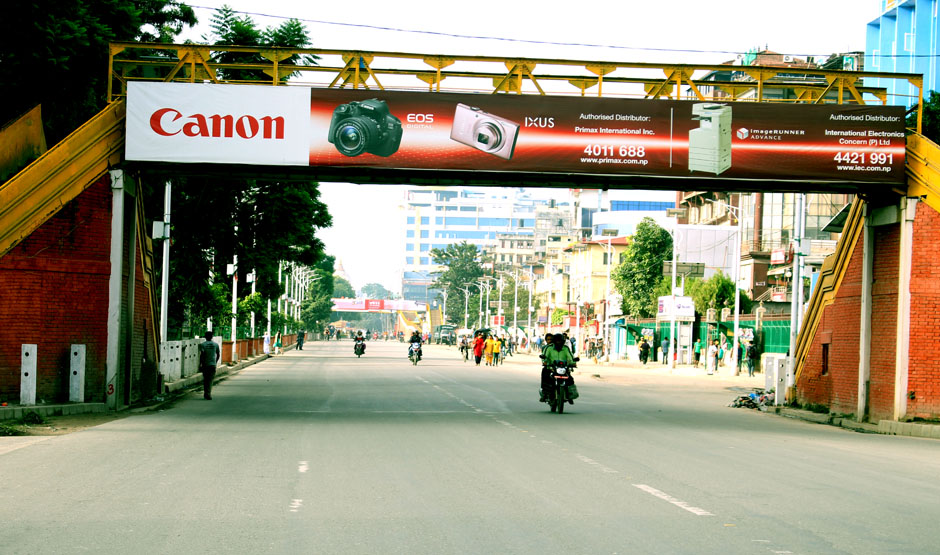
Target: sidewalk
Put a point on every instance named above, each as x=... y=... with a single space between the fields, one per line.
x=170 y=391
x=725 y=376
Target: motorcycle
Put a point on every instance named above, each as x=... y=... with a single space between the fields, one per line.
x=561 y=386
x=359 y=348
x=414 y=353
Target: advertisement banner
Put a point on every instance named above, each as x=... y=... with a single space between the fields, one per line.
x=226 y=124
x=365 y=305
x=525 y=134
x=684 y=308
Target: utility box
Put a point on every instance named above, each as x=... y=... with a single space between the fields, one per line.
x=777 y=375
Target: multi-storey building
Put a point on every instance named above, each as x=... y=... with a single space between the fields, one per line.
x=903 y=39
x=767 y=224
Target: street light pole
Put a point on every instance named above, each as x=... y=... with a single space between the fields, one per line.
x=736 y=269
x=466 y=304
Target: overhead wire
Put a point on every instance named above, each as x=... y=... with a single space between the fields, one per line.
x=502 y=39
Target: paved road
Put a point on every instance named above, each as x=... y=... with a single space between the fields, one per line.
x=316 y=451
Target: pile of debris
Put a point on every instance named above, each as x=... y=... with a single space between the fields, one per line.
x=760 y=400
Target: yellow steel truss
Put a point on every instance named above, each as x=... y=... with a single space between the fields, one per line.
x=346 y=68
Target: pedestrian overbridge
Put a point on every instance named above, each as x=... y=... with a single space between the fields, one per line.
x=388 y=117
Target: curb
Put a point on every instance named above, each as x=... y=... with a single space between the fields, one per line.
x=18 y=412
x=884 y=427
x=172 y=391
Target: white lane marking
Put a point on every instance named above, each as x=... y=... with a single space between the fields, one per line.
x=595 y=464
x=666 y=497
x=295 y=505
x=302 y=466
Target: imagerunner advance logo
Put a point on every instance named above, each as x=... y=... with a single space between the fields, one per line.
x=768 y=134
x=167 y=122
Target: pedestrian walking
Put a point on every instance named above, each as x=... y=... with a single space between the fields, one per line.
x=488 y=350
x=712 y=362
x=665 y=348
x=697 y=351
x=479 y=345
x=209 y=354
x=301 y=335
x=752 y=355
x=644 y=351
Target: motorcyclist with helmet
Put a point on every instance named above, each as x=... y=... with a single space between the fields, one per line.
x=556 y=350
x=360 y=343
x=415 y=338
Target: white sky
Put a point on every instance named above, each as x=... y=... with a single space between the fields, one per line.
x=366 y=234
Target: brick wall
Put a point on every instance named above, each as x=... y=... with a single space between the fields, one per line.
x=924 y=364
x=54 y=292
x=839 y=328
x=884 y=308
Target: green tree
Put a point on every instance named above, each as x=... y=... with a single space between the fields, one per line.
x=55 y=53
x=376 y=291
x=716 y=291
x=342 y=289
x=261 y=222
x=229 y=29
x=317 y=310
x=641 y=272
x=462 y=267
x=930 y=126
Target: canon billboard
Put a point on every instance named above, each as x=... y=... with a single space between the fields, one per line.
x=230 y=124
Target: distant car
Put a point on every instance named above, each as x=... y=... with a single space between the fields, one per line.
x=445 y=335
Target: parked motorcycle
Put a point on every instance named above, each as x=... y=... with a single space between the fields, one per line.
x=561 y=388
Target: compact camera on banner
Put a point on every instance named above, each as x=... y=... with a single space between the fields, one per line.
x=365 y=126
x=483 y=131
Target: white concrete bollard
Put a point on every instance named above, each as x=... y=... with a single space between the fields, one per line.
x=77 y=374
x=28 y=366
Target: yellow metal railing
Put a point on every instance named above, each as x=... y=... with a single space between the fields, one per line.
x=37 y=192
x=400 y=70
x=830 y=278
x=923 y=170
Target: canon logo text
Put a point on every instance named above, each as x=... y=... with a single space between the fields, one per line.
x=168 y=122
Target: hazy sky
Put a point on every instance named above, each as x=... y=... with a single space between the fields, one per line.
x=682 y=31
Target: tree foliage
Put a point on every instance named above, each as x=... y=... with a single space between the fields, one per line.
x=376 y=291
x=55 y=53
x=642 y=269
x=931 y=121
x=716 y=292
x=462 y=267
x=229 y=29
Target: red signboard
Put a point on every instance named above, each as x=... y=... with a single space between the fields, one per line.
x=525 y=134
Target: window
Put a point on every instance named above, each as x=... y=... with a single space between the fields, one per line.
x=425 y=261
x=424 y=220
x=411 y=220
x=605 y=259
x=468 y=208
x=439 y=220
x=409 y=247
x=825 y=359
x=409 y=260
x=640 y=205
x=410 y=233
x=425 y=247
x=424 y=234
x=623 y=257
